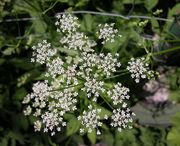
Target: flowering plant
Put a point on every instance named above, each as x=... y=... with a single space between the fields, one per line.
x=78 y=85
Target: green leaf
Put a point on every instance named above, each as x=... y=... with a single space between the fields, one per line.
x=2 y=61
x=87 y=23
x=115 y=45
x=78 y=138
x=131 y=1
x=22 y=63
x=19 y=94
x=155 y=25
x=149 y=4
x=127 y=137
x=176 y=120
x=16 y=136
x=173 y=137
x=20 y=121
x=63 y=1
x=72 y=126
x=147 y=137
x=104 y=112
x=9 y=51
x=175 y=95
x=4 y=141
x=108 y=138
x=92 y=136
x=67 y=51
x=174 y=11
x=81 y=3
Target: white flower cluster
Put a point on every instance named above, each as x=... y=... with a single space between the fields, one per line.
x=42 y=52
x=49 y=106
x=41 y=91
x=122 y=118
x=67 y=23
x=118 y=94
x=64 y=100
x=90 y=120
x=139 y=69
x=107 y=32
x=93 y=88
x=55 y=67
x=52 y=120
x=107 y=64
x=78 y=41
x=80 y=78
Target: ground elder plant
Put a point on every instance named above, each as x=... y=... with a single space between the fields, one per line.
x=79 y=84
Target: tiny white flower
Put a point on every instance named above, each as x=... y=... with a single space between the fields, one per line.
x=37 y=125
x=27 y=111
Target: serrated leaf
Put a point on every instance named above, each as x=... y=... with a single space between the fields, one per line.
x=92 y=136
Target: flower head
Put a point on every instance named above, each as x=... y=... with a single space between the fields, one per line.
x=67 y=23
x=78 y=41
x=118 y=94
x=90 y=119
x=42 y=52
x=107 y=32
x=122 y=118
x=139 y=68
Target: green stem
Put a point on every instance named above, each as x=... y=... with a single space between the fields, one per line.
x=177 y=40
x=50 y=7
x=68 y=141
x=120 y=71
x=115 y=76
x=166 y=51
x=50 y=142
x=107 y=102
x=66 y=87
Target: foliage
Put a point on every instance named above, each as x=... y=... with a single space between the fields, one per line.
x=17 y=74
x=172 y=136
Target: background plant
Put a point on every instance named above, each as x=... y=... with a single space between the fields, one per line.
x=18 y=74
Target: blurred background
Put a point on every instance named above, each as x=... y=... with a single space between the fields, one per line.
x=156 y=102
